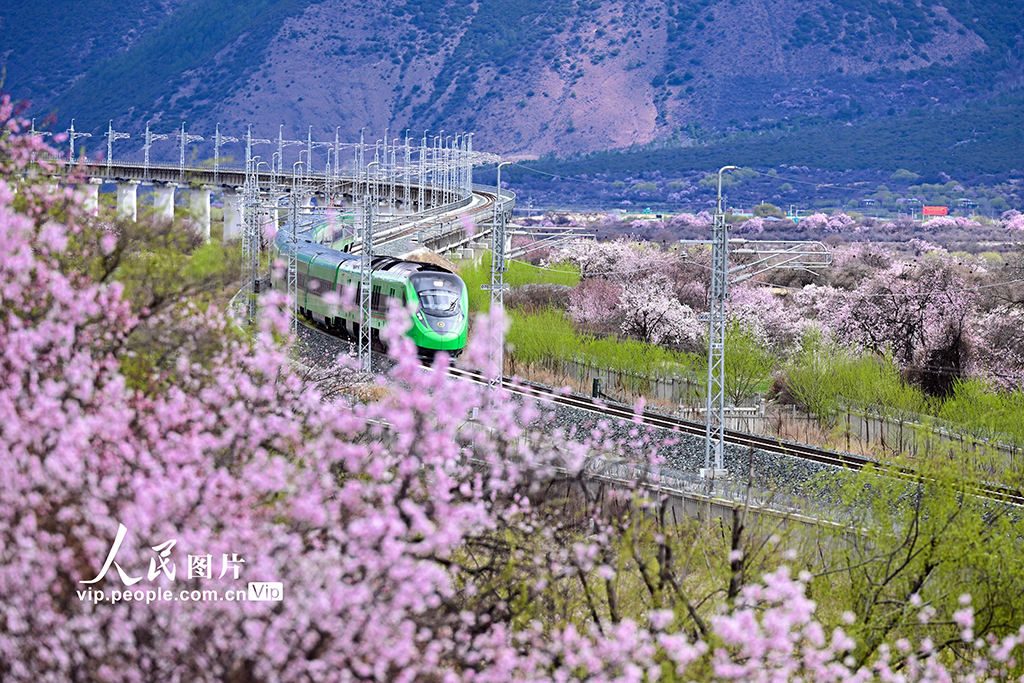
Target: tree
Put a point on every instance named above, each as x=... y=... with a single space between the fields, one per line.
x=778 y=325
x=919 y=541
x=748 y=364
x=766 y=209
x=920 y=315
x=596 y=304
x=619 y=260
x=652 y=314
x=412 y=542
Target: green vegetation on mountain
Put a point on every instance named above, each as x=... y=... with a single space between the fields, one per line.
x=550 y=76
x=230 y=37
x=500 y=34
x=981 y=138
x=44 y=47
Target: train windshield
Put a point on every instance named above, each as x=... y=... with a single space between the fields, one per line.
x=439 y=294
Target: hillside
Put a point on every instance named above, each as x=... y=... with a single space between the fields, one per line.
x=528 y=78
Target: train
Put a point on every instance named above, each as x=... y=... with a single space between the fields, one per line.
x=436 y=297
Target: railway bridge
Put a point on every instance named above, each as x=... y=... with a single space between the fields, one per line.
x=423 y=191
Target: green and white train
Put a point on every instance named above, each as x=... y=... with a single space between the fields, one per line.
x=437 y=297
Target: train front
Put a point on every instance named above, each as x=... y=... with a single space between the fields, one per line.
x=441 y=322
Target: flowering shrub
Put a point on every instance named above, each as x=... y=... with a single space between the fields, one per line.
x=837 y=222
x=411 y=542
x=767 y=314
x=1012 y=220
x=236 y=461
x=653 y=315
x=752 y=226
x=999 y=347
x=595 y=302
x=618 y=260
x=920 y=315
x=701 y=219
x=948 y=222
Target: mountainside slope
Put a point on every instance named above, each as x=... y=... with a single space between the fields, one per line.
x=528 y=78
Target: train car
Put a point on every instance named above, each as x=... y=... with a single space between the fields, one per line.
x=437 y=297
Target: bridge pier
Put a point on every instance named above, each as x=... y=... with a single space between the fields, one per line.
x=127 y=199
x=232 y=215
x=163 y=202
x=199 y=209
x=91 y=204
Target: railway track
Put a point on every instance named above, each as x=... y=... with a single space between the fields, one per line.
x=846 y=461
x=482 y=205
x=618 y=411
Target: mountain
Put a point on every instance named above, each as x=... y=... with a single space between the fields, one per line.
x=528 y=78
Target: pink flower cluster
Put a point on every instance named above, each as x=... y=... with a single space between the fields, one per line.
x=947 y=222
x=690 y=220
x=1013 y=221
x=626 y=284
x=837 y=222
x=364 y=512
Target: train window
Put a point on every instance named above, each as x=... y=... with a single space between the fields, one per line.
x=439 y=302
x=439 y=294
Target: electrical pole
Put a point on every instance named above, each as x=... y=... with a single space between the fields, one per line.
x=111 y=136
x=365 y=278
x=185 y=139
x=72 y=136
x=496 y=347
x=715 y=429
x=765 y=256
x=281 y=144
x=251 y=237
x=293 y=252
x=218 y=141
x=150 y=138
x=38 y=133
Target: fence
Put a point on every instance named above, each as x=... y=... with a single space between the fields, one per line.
x=857 y=428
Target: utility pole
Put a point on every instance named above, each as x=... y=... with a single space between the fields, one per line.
x=715 y=428
x=251 y=237
x=766 y=255
x=185 y=139
x=72 y=136
x=496 y=347
x=111 y=136
x=310 y=146
x=281 y=144
x=218 y=141
x=250 y=141
x=38 y=133
x=293 y=252
x=150 y=138
x=365 y=278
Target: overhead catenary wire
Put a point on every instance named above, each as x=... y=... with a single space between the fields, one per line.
x=835 y=292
